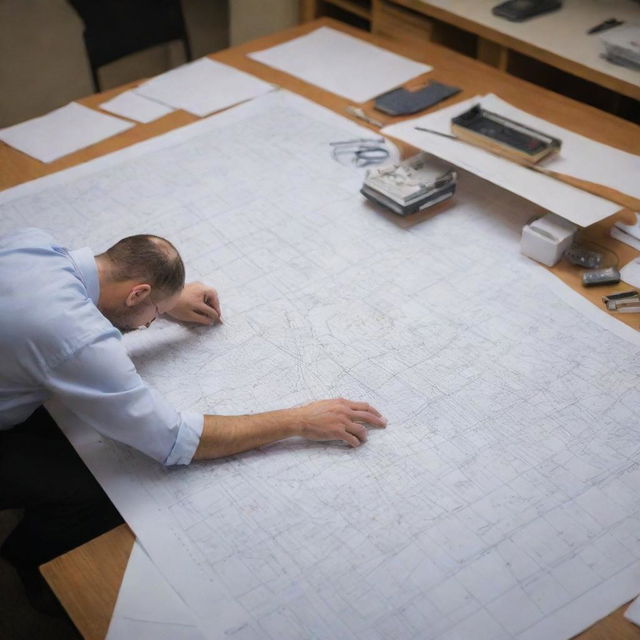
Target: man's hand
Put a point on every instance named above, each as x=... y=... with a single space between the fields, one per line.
x=197 y=303
x=338 y=419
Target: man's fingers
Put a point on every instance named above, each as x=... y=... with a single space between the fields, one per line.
x=368 y=417
x=364 y=406
x=211 y=300
x=208 y=311
x=358 y=431
x=199 y=318
x=351 y=439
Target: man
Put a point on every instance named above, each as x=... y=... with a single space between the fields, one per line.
x=61 y=317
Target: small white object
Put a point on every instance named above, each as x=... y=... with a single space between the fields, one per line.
x=627 y=233
x=630 y=273
x=633 y=612
x=547 y=238
x=203 y=86
x=62 y=131
x=623 y=43
x=136 y=107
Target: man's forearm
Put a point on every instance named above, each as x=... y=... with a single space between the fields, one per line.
x=336 y=419
x=227 y=435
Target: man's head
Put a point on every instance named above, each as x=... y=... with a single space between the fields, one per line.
x=141 y=277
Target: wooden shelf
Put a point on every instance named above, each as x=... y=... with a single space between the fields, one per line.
x=312 y=9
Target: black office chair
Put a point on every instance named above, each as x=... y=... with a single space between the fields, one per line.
x=116 y=28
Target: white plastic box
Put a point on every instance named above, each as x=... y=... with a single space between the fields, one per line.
x=547 y=238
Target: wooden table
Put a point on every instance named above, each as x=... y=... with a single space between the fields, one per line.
x=87 y=579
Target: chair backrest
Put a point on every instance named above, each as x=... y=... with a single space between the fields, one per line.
x=116 y=28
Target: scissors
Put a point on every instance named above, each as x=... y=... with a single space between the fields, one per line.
x=360 y=152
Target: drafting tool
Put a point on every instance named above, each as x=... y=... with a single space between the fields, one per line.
x=360 y=152
x=359 y=113
x=503 y=136
x=607 y=24
x=623 y=302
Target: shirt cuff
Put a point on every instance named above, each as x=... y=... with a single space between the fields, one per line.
x=188 y=438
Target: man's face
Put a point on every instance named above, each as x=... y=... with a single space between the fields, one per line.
x=134 y=314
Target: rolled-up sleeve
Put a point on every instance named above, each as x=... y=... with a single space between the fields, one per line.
x=100 y=384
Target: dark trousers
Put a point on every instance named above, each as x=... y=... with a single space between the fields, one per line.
x=64 y=506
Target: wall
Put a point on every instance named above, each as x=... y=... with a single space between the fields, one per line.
x=251 y=19
x=43 y=63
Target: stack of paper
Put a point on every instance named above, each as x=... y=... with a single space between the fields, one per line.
x=203 y=86
x=135 y=107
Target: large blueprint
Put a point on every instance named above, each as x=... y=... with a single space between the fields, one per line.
x=503 y=500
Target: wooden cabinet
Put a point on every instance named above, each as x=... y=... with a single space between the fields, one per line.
x=357 y=12
x=400 y=24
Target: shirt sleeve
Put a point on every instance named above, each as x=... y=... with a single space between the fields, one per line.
x=100 y=384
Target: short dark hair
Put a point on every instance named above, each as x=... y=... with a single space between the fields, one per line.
x=150 y=259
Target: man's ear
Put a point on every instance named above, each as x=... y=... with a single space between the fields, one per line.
x=137 y=294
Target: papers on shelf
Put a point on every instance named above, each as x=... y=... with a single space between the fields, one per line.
x=136 y=107
x=203 y=86
x=62 y=131
x=580 y=157
x=341 y=63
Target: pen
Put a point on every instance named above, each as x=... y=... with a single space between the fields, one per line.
x=607 y=24
x=439 y=133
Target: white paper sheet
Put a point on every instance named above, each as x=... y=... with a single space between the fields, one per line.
x=501 y=501
x=579 y=157
x=203 y=86
x=62 y=131
x=633 y=612
x=147 y=608
x=136 y=107
x=341 y=63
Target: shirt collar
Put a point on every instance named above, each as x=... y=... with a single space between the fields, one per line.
x=86 y=264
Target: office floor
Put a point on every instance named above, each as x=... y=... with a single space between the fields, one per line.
x=18 y=620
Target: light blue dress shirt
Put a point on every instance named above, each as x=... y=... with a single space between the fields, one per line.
x=54 y=342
